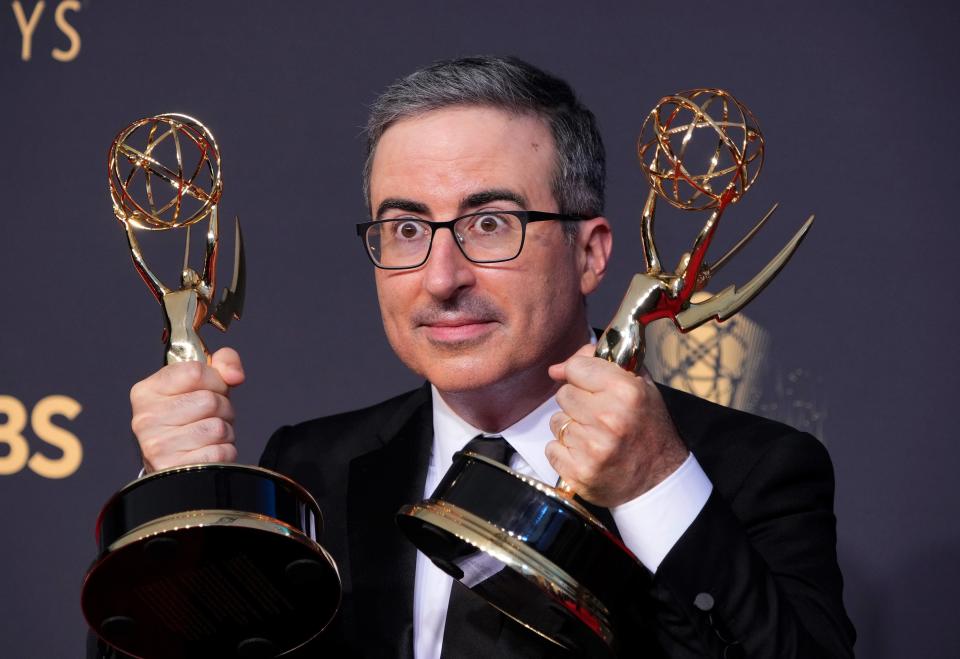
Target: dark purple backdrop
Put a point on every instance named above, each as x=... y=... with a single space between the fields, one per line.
x=858 y=107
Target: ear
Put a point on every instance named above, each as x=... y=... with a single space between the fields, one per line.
x=594 y=244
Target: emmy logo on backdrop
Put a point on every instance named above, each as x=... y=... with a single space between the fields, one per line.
x=725 y=363
x=212 y=560
x=534 y=551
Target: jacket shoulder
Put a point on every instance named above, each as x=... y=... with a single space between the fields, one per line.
x=730 y=443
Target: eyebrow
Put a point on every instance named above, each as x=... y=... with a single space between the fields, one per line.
x=396 y=203
x=474 y=200
x=497 y=194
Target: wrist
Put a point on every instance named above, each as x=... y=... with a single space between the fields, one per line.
x=666 y=463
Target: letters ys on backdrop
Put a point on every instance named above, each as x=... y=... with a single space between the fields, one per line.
x=29 y=16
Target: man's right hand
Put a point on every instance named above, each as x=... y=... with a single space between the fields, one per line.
x=182 y=413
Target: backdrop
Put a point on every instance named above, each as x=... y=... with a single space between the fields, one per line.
x=856 y=101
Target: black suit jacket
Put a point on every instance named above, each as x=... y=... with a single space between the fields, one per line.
x=755 y=575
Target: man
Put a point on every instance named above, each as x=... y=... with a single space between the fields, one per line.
x=484 y=180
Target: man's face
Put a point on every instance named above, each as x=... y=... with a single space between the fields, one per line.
x=461 y=325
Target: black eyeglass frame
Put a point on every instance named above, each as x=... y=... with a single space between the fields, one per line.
x=525 y=218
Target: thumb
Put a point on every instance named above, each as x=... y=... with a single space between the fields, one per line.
x=587 y=350
x=558 y=371
x=227 y=363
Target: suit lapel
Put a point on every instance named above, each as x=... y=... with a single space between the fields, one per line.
x=382 y=561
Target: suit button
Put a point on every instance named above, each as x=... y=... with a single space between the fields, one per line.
x=704 y=602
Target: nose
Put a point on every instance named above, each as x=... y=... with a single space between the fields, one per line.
x=447 y=270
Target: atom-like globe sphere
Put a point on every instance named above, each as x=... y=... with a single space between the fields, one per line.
x=164 y=172
x=700 y=149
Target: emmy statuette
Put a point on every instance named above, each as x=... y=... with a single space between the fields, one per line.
x=535 y=551
x=212 y=560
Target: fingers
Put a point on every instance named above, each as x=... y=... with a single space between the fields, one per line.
x=615 y=438
x=584 y=370
x=201 y=455
x=561 y=425
x=562 y=461
x=182 y=414
x=612 y=409
x=644 y=375
x=560 y=454
x=557 y=371
x=586 y=350
x=206 y=440
x=593 y=374
x=183 y=409
x=563 y=429
x=179 y=378
x=573 y=455
x=582 y=440
x=226 y=361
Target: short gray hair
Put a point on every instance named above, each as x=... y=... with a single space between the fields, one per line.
x=510 y=84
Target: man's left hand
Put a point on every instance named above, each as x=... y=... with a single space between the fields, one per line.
x=619 y=440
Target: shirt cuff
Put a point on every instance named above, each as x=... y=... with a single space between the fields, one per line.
x=651 y=524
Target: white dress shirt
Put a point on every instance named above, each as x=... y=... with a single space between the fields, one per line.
x=650 y=524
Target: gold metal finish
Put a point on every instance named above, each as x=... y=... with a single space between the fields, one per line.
x=513 y=553
x=729 y=167
x=564 y=489
x=206 y=518
x=196 y=157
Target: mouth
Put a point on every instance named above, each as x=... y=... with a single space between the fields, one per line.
x=458 y=330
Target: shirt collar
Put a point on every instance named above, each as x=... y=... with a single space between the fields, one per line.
x=528 y=436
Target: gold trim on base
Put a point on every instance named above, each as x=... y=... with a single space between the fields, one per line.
x=509 y=550
x=217 y=518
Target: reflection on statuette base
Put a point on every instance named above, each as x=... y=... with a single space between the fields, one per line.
x=196 y=561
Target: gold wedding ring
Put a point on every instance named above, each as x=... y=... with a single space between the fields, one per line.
x=563 y=429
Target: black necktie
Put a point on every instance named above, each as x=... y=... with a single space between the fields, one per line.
x=473 y=626
x=495 y=448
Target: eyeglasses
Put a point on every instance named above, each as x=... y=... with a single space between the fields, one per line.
x=485 y=237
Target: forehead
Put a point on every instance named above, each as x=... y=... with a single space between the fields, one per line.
x=454 y=152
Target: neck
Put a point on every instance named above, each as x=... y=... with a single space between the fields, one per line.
x=499 y=406
x=503 y=403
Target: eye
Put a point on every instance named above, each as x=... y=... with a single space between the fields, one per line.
x=488 y=224
x=408 y=229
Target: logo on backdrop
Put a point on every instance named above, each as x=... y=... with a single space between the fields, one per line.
x=15 y=419
x=29 y=15
x=731 y=364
